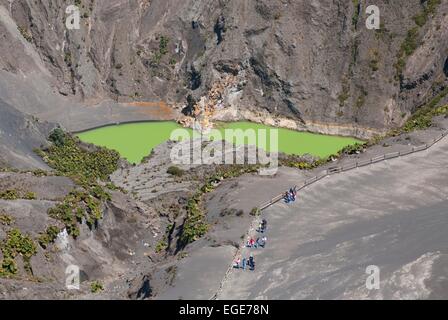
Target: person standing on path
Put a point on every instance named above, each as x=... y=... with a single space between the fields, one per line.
x=264 y=225
x=251 y=262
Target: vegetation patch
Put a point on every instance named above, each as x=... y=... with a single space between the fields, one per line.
x=48 y=237
x=96 y=286
x=25 y=33
x=6 y=220
x=14 y=245
x=353 y=148
x=79 y=206
x=255 y=212
x=175 y=171
x=13 y=194
x=85 y=168
x=422 y=119
x=194 y=226
x=68 y=158
x=408 y=46
x=163 y=49
x=162 y=245
x=430 y=9
x=40 y=173
x=9 y=195
x=30 y=196
x=298 y=162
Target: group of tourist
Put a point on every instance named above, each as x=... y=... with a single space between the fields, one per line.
x=252 y=243
x=290 y=196
x=245 y=263
x=249 y=263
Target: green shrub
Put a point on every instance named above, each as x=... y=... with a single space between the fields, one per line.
x=175 y=171
x=410 y=43
x=76 y=207
x=6 y=220
x=16 y=244
x=353 y=148
x=255 y=212
x=57 y=136
x=30 y=196
x=163 y=45
x=302 y=165
x=194 y=226
x=430 y=8
x=8 y=267
x=48 y=237
x=162 y=245
x=96 y=286
x=163 y=50
x=14 y=194
x=40 y=173
x=9 y=195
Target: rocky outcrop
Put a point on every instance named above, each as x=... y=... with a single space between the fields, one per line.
x=311 y=62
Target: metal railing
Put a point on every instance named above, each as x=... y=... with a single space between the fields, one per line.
x=356 y=164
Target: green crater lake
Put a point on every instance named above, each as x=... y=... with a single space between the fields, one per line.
x=134 y=141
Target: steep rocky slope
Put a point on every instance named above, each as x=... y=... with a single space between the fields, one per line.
x=303 y=64
x=113 y=254
x=19 y=135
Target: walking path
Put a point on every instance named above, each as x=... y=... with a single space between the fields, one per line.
x=391 y=214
